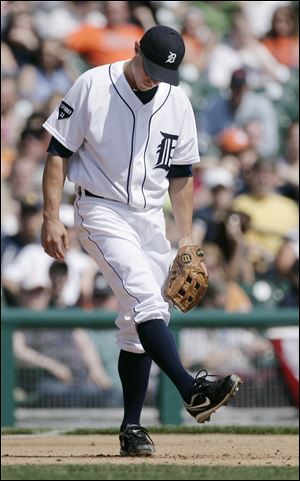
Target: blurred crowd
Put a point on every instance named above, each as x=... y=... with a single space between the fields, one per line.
x=240 y=72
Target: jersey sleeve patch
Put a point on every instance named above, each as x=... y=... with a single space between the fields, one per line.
x=65 y=111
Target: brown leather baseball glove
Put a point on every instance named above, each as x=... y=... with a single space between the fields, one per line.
x=188 y=278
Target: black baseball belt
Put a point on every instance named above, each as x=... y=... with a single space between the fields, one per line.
x=89 y=194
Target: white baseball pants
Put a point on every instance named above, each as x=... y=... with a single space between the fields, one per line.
x=133 y=254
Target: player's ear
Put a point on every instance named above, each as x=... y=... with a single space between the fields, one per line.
x=137 y=48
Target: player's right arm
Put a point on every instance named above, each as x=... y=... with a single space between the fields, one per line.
x=54 y=235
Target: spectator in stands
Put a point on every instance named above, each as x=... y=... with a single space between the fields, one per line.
x=32 y=257
x=100 y=46
x=58 y=19
x=243 y=49
x=198 y=38
x=51 y=73
x=23 y=178
x=143 y=14
x=30 y=148
x=282 y=40
x=240 y=150
x=288 y=166
x=58 y=275
x=287 y=266
x=30 y=222
x=73 y=373
x=26 y=171
x=102 y=295
x=35 y=290
x=32 y=144
x=259 y=14
x=30 y=262
x=9 y=65
x=224 y=291
x=35 y=120
x=207 y=220
x=254 y=130
x=21 y=36
x=219 y=224
x=222 y=350
x=272 y=215
x=10 y=211
x=241 y=106
x=12 y=120
x=11 y=7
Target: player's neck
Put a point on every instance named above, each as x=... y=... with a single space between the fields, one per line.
x=128 y=75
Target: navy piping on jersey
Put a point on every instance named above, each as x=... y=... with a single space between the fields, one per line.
x=110 y=265
x=150 y=120
x=133 y=128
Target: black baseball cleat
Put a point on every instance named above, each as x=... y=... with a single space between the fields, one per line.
x=135 y=441
x=208 y=396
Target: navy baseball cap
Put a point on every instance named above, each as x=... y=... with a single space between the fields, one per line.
x=163 y=51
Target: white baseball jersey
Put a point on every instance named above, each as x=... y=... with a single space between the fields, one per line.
x=123 y=148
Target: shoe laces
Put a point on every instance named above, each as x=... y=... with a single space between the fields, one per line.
x=138 y=431
x=199 y=380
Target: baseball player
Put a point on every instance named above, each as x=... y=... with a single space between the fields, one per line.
x=125 y=135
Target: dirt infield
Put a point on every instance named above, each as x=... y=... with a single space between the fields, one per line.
x=192 y=449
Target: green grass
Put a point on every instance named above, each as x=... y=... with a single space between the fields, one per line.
x=167 y=430
x=197 y=429
x=10 y=430
x=145 y=471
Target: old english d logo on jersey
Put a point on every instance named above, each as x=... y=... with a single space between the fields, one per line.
x=65 y=111
x=165 y=150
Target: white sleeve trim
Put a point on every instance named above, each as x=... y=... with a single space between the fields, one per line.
x=58 y=137
x=195 y=160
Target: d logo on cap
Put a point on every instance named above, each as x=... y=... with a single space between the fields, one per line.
x=171 y=57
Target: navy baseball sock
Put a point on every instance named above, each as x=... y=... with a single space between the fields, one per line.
x=134 y=370
x=157 y=340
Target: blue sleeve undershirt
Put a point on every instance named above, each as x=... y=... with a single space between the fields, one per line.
x=180 y=171
x=56 y=148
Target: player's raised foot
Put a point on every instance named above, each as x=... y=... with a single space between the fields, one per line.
x=208 y=396
x=135 y=441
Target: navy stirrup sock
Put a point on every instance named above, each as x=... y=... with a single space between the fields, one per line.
x=134 y=371
x=157 y=340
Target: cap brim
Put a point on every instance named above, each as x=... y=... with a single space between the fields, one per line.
x=156 y=72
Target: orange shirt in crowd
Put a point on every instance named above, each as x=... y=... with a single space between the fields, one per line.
x=193 y=48
x=284 y=49
x=237 y=299
x=101 y=46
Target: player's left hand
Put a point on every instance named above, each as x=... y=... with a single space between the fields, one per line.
x=188 y=278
